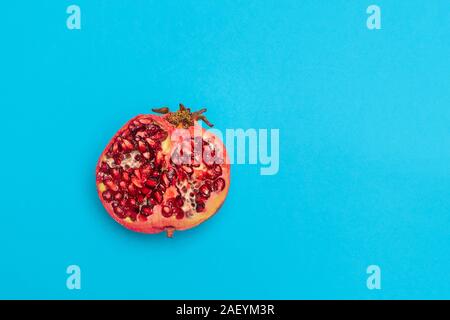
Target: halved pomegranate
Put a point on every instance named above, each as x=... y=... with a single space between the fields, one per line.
x=163 y=172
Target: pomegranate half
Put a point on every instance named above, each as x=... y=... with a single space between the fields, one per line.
x=163 y=172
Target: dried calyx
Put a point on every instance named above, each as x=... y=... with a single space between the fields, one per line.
x=183 y=117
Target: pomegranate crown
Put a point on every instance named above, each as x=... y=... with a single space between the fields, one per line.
x=183 y=117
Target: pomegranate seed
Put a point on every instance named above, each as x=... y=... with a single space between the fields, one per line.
x=126 y=176
x=104 y=167
x=142 y=147
x=132 y=189
x=132 y=215
x=171 y=173
x=211 y=174
x=146 y=170
x=137 y=173
x=111 y=185
x=119 y=212
x=140 y=198
x=146 y=210
x=157 y=196
x=204 y=189
x=136 y=182
x=107 y=195
x=179 y=214
x=125 y=133
x=161 y=188
x=170 y=202
x=200 y=207
x=115 y=147
x=219 y=185
x=152 y=129
x=147 y=155
x=151 y=143
x=145 y=190
x=115 y=173
x=188 y=169
x=118 y=196
x=179 y=202
x=151 y=183
x=122 y=185
x=117 y=159
x=217 y=170
x=128 y=144
x=142 y=217
x=160 y=135
x=166 y=211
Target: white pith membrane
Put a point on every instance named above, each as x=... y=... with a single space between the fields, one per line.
x=130 y=154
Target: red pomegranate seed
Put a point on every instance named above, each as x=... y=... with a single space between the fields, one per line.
x=142 y=147
x=166 y=212
x=179 y=202
x=116 y=173
x=188 y=169
x=104 y=167
x=200 y=207
x=204 y=189
x=125 y=133
x=151 y=183
x=179 y=214
x=118 y=196
x=165 y=180
x=107 y=195
x=142 y=217
x=126 y=145
x=122 y=185
x=136 y=182
x=170 y=202
x=157 y=196
x=219 y=185
x=161 y=188
x=111 y=185
x=147 y=155
x=119 y=212
x=132 y=189
x=146 y=210
x=217 y=170
x=132 y=214
x=145 y=190
x=115 y=147
x=126 y=176
x=117 y=159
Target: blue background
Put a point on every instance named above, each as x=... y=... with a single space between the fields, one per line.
x=364 y=119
